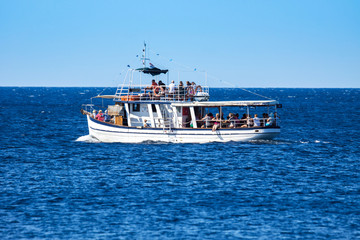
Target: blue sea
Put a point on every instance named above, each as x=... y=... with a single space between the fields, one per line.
x=58 y=183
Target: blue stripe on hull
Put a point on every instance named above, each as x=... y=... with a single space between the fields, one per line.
x=219 y=132
x=176 y=129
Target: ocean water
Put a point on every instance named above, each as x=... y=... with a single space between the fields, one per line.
x=58 y=183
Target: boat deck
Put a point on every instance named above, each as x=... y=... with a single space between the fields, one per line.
x=162 y=93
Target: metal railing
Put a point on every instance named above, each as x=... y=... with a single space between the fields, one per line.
x=162 y=93
x=236 y=123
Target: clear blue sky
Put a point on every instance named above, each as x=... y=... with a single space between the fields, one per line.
x=240 y=43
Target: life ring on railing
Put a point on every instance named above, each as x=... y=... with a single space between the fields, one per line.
x=198 y=89
x=158 y=90
x=190 y=91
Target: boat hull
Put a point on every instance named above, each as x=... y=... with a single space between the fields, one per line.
x=112 y=133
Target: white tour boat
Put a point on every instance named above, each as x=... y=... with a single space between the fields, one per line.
x=177 y=114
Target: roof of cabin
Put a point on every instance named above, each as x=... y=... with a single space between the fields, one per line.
x=226 y=103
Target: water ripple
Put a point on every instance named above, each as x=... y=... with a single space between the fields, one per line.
x=59 y=183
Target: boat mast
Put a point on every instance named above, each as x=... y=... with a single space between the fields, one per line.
x=144 y=56
x=143 y=59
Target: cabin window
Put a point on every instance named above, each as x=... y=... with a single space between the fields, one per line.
x=136 y=107
x=153 y=107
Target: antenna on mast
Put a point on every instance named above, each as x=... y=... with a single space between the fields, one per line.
x=144 y=55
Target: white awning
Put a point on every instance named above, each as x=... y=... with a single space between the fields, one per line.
x=226 y=103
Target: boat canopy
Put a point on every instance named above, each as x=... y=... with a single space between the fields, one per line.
x=226 y=103
x=152 y=70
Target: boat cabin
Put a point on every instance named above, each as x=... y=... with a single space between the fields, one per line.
x=139 y=110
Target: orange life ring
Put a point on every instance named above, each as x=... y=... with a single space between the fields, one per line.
x=190 y=91
x=198 y=89
x=158 y=93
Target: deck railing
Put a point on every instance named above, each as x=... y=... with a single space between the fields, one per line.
x=162 y=93
x=235 y=123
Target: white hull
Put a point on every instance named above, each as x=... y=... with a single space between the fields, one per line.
x=112 y=133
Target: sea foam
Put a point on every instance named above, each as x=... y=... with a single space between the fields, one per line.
x=87 y=138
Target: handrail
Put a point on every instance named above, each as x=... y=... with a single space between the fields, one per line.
x=245 y=123
x=161 y=93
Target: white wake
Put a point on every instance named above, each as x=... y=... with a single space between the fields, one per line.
x=88 y=139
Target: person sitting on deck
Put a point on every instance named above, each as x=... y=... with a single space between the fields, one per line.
x=250 y=121
x=270 y=121
x=172 y=88
x=256 y=121
x=161 y=83
x=217 y=121
x=181 y=90
x=146 y=124
x=207 y=120
x=160 y=89
x=223 y=124
x=100 y=116
x=231 y=120
x=151 y=88
x=188 y=90
x=243 y=121
x=107 y=117
x=193 y=85
x=94 y=114
x=153 y=83
x=264 y=119
x=237 y=120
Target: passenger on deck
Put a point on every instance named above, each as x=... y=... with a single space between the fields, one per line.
x=270 y=121
x=153 y=83
x=146 y=124
x=107 y=117
x=231 y=120
x=94 y=114
x=243 y=121
x=193 y=85
x=250 y=121
x=100 y=116
x=192 y=122
x=207 y=120
x=216 y=121
x=181 y=90
x=151 y=88
x=188 y=84
x=161 y=90
x=161 y=83
x=172 y=88
x=264 y=119
x=277 y=119
x=237 y=120
x=188 y=91
x=256 y=121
